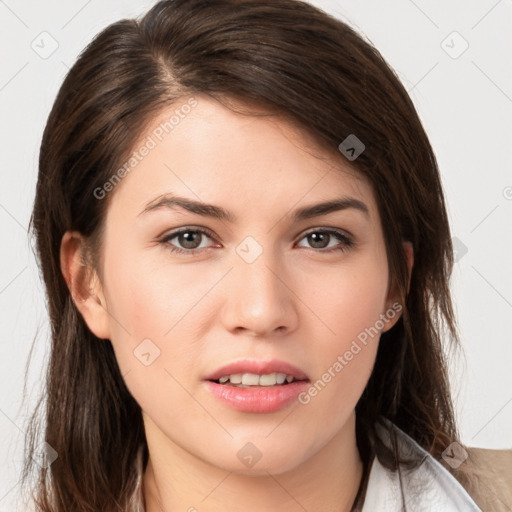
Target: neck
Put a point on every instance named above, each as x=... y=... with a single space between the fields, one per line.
x=176 y=480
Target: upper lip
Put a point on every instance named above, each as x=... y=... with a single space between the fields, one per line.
x=259 y=368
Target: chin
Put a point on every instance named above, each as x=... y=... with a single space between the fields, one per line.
x=274 y=464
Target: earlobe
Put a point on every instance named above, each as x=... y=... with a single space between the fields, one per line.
x=394 y=307
x=84 y=284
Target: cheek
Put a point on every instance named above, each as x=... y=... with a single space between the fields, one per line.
x=152 y=316
x=345 y=353
x=348 y=305
x=149 y=299
x=150 y=296
x=350 y=299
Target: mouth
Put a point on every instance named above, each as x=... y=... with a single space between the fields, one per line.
x=257 y=386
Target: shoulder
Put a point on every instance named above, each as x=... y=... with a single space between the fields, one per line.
x=487 y=476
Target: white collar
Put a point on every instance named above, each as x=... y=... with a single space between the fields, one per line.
x=427 y=487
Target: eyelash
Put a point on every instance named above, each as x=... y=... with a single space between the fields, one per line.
x=345 y=246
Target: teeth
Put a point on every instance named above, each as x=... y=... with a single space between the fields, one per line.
x=236 y=378
x=252 y=379
x=267 y=380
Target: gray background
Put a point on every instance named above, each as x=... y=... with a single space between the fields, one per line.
x=463 y=95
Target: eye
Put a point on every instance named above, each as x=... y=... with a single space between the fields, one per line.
x=321 y=238
x=189 y=239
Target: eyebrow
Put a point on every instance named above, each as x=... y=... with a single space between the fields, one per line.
x=217 y=212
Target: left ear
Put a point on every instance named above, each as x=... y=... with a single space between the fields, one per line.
x=392 y=302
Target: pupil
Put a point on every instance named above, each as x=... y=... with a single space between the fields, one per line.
x=314 y=237
x=187 y=239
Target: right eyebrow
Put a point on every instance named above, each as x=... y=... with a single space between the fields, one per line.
x=199 y=208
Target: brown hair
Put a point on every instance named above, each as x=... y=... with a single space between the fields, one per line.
x=293 y=60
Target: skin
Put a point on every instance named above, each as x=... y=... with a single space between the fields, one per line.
x=295 y=302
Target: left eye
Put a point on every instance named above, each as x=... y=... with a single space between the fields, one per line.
x=318 y=238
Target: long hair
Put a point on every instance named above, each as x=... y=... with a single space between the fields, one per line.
x=292 y=59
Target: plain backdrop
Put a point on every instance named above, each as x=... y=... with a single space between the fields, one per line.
x=454 y=58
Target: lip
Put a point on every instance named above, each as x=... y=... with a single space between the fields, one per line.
x=259 y=368
x=257 y=399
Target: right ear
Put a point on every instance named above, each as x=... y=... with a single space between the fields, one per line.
x=84 y=284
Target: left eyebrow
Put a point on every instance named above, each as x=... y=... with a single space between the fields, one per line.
x=333 y=205
x=217 y=212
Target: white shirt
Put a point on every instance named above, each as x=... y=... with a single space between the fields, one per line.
x=429 y=487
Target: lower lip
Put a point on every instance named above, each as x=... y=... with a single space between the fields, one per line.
x=257 y=399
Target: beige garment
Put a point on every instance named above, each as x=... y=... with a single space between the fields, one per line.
x=492 y=492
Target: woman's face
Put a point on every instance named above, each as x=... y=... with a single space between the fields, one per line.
x=261 y=283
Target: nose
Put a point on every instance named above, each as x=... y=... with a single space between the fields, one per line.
x=260 y=299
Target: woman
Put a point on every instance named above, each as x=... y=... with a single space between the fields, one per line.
x=246 y=252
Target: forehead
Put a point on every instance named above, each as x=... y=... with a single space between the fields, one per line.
x=253 y=159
